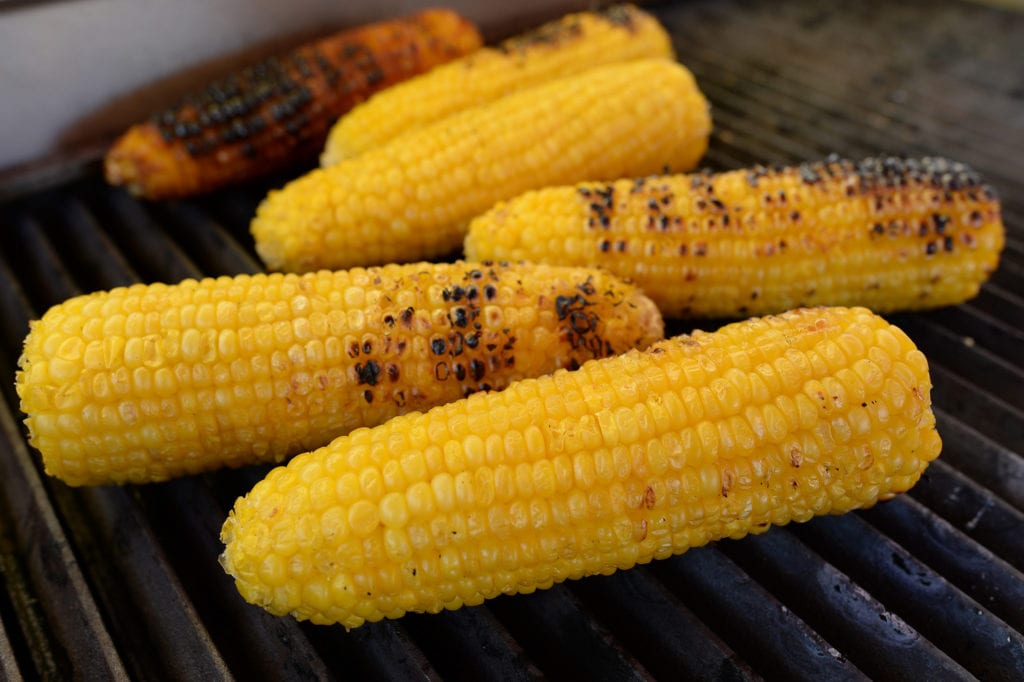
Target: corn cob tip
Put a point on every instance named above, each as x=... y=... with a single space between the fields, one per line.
x=627 y=459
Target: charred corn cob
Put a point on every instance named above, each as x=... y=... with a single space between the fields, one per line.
x=628 y=459
x=411 y=199
x=278 y=112
x=885 y=233
x=560 y=48
x=153 y=381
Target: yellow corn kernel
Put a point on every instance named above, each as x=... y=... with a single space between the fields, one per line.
x=412 y=199
x=285 y=363
x=885 y=233
x=560 y=48
x=635 y=488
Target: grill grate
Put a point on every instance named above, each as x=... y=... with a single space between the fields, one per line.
x=124 y=582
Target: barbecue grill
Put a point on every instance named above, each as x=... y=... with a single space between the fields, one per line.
x=124 y=582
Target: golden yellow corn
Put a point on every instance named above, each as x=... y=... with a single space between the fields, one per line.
x=628 y=459
x=560 y=48
x=277 y=113
x=412 y=199
x=152 y=381
x=886 y=233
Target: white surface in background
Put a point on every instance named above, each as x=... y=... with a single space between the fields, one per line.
x=79 y=71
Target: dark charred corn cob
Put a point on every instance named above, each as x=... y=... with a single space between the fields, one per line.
x=153 y=381
x=628 y=459
x=278 y=112
x=574 y=43
x=886 y=233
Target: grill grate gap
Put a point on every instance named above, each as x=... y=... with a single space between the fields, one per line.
x=470 y=644
x=875 y=639
x=668 y=639
x=550 y=623
x=974 y=570
x=987 y=462
x=973 y=510
x=750 y=619
x=967 y=632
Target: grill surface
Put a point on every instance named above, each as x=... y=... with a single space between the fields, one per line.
x=118 y=582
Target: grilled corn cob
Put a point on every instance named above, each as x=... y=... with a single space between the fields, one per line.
x=153 y=381
x=560 y=48
x=278 y=112
x=885 y=233
x=628 y=459
x=411 y=199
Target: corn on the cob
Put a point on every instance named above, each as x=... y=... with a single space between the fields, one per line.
x=886 y=233
x=560 y=48
x=628 y=459
x=152 y=381
x=411 y=199
x=278 y=112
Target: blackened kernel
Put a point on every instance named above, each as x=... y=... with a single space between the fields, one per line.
x=473 y=340
x=940 y=221
x=490 y=292
x=460 y=371
x=620 y=246
x=947 y=243
x=367 y=347
x=368 y=373
x=406 y=316
x=930 y=248
x=368 y=396
x=794 y=216
x=605 y=245
x=438 y=346
x=460 y=319
x=392 y=371
x=476 y=369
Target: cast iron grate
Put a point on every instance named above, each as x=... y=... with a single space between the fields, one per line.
x=124 y=582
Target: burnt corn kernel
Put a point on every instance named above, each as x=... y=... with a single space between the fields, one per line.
x=278 y=112
x=559 y=48
x=887 y=233
x=149 y=382
x=619 y=462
